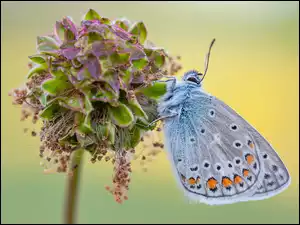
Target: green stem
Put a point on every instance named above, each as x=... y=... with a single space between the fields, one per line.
x=72 y=188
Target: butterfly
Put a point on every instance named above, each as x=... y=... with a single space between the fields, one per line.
x=217 y=157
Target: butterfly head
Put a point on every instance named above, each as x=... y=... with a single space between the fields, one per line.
x=193 y=76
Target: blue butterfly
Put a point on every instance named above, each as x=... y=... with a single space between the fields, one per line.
x=216 y=156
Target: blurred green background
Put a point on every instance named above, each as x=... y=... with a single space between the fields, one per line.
x=253 y=68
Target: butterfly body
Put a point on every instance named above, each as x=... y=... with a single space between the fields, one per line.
x=216 y=156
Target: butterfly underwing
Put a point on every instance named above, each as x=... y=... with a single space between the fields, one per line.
x=217 y=157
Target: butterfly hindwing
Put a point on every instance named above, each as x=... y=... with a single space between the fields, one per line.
x=214 y=156
x=275 y=177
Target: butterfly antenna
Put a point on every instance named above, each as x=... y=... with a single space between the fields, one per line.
x=207 y=58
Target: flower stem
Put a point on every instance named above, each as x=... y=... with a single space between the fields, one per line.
x=72 y=188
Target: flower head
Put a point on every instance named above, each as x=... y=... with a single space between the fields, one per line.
x=91 y=86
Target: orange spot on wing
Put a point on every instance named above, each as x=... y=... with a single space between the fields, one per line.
x=192 y=181
x=245 y=172
x=226 y=182
x=251 y=144
x=237 y=179
x=212 y=183
x=249 y=158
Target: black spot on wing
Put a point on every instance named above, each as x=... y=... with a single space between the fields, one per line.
x=274 y=168
x=255 y=165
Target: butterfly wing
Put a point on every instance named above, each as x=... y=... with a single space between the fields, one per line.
x=276 y=177
x=216 y=155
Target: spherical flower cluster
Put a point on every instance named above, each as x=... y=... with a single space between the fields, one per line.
x=94 y=87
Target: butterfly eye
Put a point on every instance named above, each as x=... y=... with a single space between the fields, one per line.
x=194 y=80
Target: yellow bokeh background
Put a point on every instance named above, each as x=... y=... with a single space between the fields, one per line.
x=253 y=68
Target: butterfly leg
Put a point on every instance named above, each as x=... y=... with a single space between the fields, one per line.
x=160 y=118
x=163 y=117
